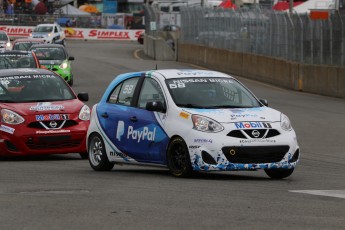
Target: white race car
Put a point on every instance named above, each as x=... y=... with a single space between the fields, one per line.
x=50 y=33
x=189 y=120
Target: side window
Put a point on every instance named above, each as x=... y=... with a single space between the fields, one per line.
x=55 y=30
x=151 y=91
x=127 y=91
x=114 y=96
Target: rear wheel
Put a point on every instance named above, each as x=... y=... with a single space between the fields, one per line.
x=279 y=173
x=178 y=158
x=98 y=158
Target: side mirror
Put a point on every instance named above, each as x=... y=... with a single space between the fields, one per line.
x=156 y=106
x=264 y=102
x=83 y=96
x=71 y=58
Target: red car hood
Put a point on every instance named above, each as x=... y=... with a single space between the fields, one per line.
x=34 y=108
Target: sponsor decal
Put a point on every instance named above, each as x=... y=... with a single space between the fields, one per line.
x=46 y=106
x=15 y=31
x=74 y=33
x=194 y=146
x=120 y=130
x=116 y=154
x=242 y=115
x=52 y=117
x=252 y=125
x=53 y=131
x=7 y=129
x=140 y=135
x=184 y=115
x=257 y=141
x=203 y=141
x=107 y=34
x=35 y=76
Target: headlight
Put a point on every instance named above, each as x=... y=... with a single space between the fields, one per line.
x=49 y=35
x=285 y=122
x=10 y=117
x=85 y=113
x=64 y=65
x=8 y=44
x=206 y=124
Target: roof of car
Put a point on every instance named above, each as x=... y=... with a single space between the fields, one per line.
x=15 y=52
x=183 y=73
x=45 y=45
x=28 y=40
x=24 y=71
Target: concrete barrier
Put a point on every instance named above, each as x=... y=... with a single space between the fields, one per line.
x=158 y=49
x=323 y=80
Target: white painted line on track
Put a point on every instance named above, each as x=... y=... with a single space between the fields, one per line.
x=331 y=193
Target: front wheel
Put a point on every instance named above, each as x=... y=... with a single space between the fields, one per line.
x=98 y=158
x=178 y=158
x=279 y=173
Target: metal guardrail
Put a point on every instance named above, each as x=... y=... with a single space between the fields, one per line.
x=293 y=37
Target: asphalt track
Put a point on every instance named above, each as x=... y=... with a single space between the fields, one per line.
x=63 y=192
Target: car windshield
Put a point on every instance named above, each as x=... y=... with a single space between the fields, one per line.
x=34 y=88
x=3 y=37
x=10 y=61
x=210 y=93
x=24 y=45
x=50 y=53
x=43 y=29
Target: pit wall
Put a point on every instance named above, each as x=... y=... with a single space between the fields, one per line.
x=323 y=80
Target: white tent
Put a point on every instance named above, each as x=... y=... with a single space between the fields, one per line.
x=70 y=10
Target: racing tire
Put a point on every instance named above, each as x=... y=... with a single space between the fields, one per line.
x=178 y=158
x=98 y=158
x=279 y=173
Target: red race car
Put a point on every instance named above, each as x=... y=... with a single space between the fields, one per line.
x=40 y=114
x=12 y=59
x=25 y=43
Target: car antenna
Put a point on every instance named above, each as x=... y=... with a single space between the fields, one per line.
x=156 y=67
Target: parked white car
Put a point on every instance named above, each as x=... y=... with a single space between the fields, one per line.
x=5 y=43
x=50 y=33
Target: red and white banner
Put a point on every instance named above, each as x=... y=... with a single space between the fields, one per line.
x=79 y=33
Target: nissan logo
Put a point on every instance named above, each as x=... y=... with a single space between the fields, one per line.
x=53 y=124
x=256 y=133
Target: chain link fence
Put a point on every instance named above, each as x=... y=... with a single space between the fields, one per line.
x=293 y=37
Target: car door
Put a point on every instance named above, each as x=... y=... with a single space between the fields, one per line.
x=147 y=137
x=115 y=116
x=134 y=130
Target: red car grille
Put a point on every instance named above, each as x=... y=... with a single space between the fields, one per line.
x=50 y=142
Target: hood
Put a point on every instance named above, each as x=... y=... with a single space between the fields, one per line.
x=51 y=62
x=37 y=108
x=41 y=33
x=239 y=115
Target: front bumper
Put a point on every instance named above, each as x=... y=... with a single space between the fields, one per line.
x=28 y=141
x=232 y=154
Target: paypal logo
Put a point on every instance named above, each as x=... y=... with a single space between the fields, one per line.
x=120 y=130
x=139 y=135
